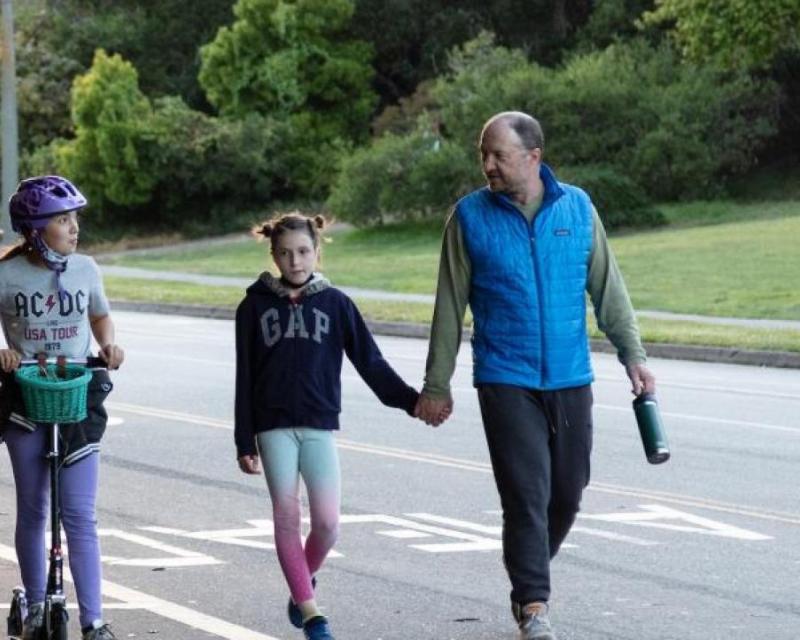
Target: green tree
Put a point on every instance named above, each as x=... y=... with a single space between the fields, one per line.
x=735 y=33
x=161 y=39
x=677 y=129
x=403 y=177
x=210 y=171
x=57 y=40
x=630 y=123
x=282 y=57
x=45 y=79
x=109 y=155
x=412 y=38
x=611 y=21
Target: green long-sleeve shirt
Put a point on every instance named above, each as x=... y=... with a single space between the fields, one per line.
x=605 y=285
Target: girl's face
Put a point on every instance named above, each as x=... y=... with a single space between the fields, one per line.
x=295 y=256
x=61 y=233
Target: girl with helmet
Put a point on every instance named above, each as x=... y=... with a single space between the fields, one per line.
x=52 y=302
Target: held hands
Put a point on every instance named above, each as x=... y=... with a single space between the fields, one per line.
x=9 y=360
x=642 y=380
x=249 y=464
x=112 y=355
x=433 y=411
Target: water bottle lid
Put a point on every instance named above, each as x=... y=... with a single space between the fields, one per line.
x=644 y=398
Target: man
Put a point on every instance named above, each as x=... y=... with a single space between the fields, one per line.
x=523 y=252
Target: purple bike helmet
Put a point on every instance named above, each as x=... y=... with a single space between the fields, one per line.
x=39 y=199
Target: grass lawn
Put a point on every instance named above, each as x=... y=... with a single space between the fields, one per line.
x=748 y=267
x=715 y=258
x=229 y=297
x=652 y=330
x=398 y=258
x=741 y=269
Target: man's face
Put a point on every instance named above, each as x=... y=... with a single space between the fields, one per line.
x=507 y=165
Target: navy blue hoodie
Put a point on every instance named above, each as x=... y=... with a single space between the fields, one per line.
x=289 y=359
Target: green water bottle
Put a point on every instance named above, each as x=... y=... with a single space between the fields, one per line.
x=651 y=428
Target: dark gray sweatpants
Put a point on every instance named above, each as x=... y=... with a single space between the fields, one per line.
x=540 y=443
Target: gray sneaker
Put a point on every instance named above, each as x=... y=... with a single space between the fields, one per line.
x=534 y=623
x=103 y=632
x=34 y=621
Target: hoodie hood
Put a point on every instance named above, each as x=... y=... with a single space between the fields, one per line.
x=267 y=283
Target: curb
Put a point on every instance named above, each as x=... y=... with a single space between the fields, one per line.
x=776 y=359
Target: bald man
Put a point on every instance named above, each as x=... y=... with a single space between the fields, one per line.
x=523 y=252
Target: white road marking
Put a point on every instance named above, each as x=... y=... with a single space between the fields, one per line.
x=687 y=416
x=239 y=537
x=609 y=535
x=402 y=534
x=661 y=517
x=178 y=557
x=738 y=391
x=468 y=541
x=480 y=467
x=164 y=608
x=496 y=530
x=702 y=503
x=492 y=530
x=722 y=389
x=107 y=606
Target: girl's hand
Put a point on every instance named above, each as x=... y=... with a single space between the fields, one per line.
x=112 y=355
x=249 y=464
x=9 y=360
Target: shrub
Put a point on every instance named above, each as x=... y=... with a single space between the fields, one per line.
x=209 y=168
x=619 y=200
x=109 y=156
x=414 y=176
x=676 y=129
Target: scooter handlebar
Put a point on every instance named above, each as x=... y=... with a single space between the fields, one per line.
x=90 y=362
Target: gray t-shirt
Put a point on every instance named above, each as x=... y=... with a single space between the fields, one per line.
x=36 y=320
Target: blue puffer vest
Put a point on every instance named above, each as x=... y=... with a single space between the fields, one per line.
x=528 y=287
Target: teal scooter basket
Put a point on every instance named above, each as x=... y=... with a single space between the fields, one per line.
x=54 y=394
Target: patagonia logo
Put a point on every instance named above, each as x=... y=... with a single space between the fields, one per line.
x=562 y=232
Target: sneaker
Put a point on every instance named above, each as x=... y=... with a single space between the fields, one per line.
x=534 y=623
x=317 y=629
x=295 y=617
x=33 y=624
x=99 y=631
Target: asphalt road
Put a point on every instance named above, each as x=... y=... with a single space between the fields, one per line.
x=706 y=546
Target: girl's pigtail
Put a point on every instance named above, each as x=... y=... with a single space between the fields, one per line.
x=263 y=230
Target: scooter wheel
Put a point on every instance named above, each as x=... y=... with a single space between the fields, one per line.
x=58 y=623
x=16 y=614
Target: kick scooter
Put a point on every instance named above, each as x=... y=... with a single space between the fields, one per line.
x=54 y=391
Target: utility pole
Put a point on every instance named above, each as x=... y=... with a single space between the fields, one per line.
x=8 y=122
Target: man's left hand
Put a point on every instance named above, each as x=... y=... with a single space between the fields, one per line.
x=642 y=380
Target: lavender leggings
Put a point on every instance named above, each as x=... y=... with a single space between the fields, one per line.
x=288 y=454
x=78 y=496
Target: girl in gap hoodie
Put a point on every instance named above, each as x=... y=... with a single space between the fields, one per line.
x=291 y=333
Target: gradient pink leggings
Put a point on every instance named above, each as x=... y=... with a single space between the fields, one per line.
x=288 y=454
